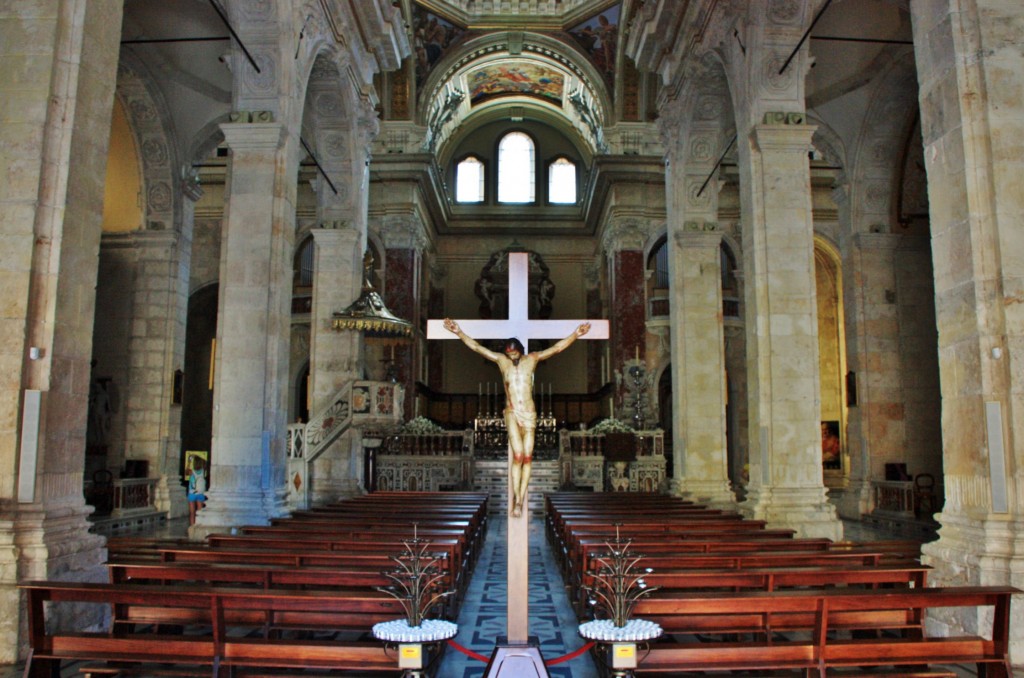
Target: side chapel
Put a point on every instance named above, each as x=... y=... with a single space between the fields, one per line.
x=801 y=217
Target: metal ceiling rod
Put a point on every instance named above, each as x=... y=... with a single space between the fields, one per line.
x=835 y=38
x=146 y=41
x=717 y=165
x=234 y=35
x=804 y=38
x=318 y=165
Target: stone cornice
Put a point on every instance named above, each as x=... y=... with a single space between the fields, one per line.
x=697 y=234
x=785 y=137
x=334 y=233
x=254 y=136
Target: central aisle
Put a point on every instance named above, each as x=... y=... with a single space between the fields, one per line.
x=482 y=618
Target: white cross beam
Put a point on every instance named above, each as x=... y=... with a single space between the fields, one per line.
x=518 y=323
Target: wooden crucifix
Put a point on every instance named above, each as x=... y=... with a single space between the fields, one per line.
x=518 y=326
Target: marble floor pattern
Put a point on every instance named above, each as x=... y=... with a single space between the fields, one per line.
x=482 y=617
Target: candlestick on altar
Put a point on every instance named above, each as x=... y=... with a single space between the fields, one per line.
x=638 y=352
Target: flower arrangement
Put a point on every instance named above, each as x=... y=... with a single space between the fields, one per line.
x=611 y=425
x=420 y=426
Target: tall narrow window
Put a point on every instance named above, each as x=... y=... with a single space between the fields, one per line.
x=562 y=182
x=515 y=168
x=469 y=180
x=303 y=265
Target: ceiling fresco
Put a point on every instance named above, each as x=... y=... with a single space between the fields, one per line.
x=510 y=79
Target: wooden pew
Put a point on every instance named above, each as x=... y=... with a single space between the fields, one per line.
x=786 y=577
x=815 y=622
x=303 y=547
x=259 y=575
x=215 y=608
x=469 y=546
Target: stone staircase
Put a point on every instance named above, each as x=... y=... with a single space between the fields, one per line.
x=491 y=476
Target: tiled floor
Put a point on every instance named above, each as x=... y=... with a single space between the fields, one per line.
x=482 y=618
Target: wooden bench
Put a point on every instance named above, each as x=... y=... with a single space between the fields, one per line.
x=259 y=575
x=216 y=610
x=814 y=623
x=469 y=546
x=786 y=577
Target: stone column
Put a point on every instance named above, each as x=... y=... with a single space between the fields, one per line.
x=156 y=347
x=597 y=370
x=435 y=353
x=624 y=245
x=404 y=240
x=698 y=363
x=59 y=65
x=786 y=485
x=971 y=74
x=254 y=318
x=335 y=356
x=700 y=462
x=401 y=295
x=876 y=425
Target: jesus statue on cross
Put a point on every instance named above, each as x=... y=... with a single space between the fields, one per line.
x=518 y=387
x=517 y=370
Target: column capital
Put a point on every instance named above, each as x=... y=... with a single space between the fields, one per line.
x=254 y=136
x=625 y=234
x=877 y=241
x=148 y=240
x=403 y=232
x=784 y=137
x=334 y=233
x=694 y=234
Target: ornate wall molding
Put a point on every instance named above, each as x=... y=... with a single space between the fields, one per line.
x=144 y=106
x=627 y=234
x=401 y=232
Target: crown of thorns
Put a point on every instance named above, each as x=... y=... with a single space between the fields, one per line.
x=513 y=344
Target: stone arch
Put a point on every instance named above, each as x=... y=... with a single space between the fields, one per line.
x=827 y=142
x=587 y=103
x=879 y=146
x=162 y=170
x=330 y=119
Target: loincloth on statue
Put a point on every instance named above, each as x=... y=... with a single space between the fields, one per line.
x=527 y=420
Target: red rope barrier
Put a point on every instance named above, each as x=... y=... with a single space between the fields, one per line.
x=469 y=653
x=550 y=662
x=571 y=655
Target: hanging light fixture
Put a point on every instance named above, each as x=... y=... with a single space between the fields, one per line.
x=368 y=314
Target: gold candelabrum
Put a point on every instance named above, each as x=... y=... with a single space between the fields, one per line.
x=619 y=581
x=417 y=579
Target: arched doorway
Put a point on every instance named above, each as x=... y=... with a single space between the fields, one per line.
x=197 y=391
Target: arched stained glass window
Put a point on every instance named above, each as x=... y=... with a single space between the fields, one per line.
x=469 y=180
x=516 y=180
x=562 y=182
